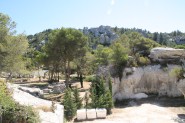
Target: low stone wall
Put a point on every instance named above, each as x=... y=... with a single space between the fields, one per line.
x=90 y=114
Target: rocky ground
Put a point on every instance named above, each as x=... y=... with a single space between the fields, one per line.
x=150 y=110
x=145 y=113
x=40 y=105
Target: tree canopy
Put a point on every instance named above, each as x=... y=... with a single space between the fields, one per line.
x=12 y=47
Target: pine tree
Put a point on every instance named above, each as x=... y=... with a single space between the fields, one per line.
x=69 y=105
x=100 y=97
x=77 y=98
x=109 y=102
x=93 y=96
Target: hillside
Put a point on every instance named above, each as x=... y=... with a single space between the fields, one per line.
x=106 y=35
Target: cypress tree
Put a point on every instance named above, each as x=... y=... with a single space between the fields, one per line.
x=69 y=105
x=100 y=97
x=77 y=98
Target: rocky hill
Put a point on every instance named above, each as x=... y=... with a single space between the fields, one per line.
x=105 y=34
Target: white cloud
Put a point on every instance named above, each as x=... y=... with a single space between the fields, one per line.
x=109 y=12
x=113 y=2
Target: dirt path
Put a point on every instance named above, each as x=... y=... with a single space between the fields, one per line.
x=146 y=113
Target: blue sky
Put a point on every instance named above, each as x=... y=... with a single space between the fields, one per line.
x=34 y=16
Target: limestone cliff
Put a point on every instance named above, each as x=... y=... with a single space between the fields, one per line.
x=148 y=79
x=156 y=78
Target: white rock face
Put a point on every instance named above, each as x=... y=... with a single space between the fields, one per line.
x=148 y=79
x=91 y=114
x=161 y=53
x=139 y=96
x=27 y=99
x=81 y=114
x=101 y=113
x=181 y=86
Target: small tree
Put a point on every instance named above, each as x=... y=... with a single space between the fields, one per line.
x=77 y=98
x=109 y=102
x=100 y=97
x=69 y=105
x=86 y=100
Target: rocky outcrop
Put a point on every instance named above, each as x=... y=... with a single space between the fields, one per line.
x=148 y=79
x=105 y=34
x=25 y=98
x=166 y=54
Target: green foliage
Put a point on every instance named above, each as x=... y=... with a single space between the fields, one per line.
x=100 y=96
x=119 y=57
x=90 y=78
x=5 y=99
x=177 y=72
x=143 y=61
x=180 y=47
x=13 y=112
x=103 y=55
x=20 y=114
x=65 y=45
x=12 y=48
x=77 y=98
x=69 y=105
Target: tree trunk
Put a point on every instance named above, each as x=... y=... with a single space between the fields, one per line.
x=67 y=73
x=81 y=80
x=58 y=76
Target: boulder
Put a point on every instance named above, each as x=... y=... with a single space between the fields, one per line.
x=91 y=114
x=46 y=90
x=58 y=88
x=101 y=113
x=81 y=114
x=166 y=54
x=139 y=96
x=33 y=91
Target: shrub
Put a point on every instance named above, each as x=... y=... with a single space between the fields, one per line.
x=143 y=61
x=100 y=96
x=69 y=105
x=13 y=112
x=177 y=72
x=90 y=78
x=77 y=99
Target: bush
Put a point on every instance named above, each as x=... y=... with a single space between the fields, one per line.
x=90 y=78
x=13 y=112
x=100 y=96
x=77 y=99
x=69 y=105
x=177 y=72
x=143 y=61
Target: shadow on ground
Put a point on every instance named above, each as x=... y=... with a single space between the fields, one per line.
x=180 y=119
x=153 y=99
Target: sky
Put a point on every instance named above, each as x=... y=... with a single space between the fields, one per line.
x=33 y=16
